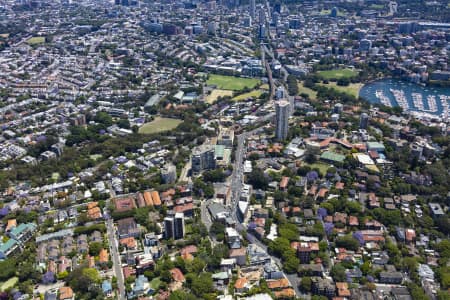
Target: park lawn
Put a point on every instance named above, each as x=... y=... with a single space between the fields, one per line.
x=36 y=40
x=231 y=83
x=352 y=89
x=253 y=94
x=377 y=6
x=154 y=284
x=304 y=90
x=95 y=156
x=215 y=94
x=326 y=12
x=265 y=86
x=337 y=74
x=159 y=125
x=9 y=283
x=321 y=166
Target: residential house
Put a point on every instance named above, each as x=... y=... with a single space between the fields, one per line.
x=107 y=288
x=82 y=243
x=311 y=270
x=342 y=289
x=66 y=293
x=391 y=277
x=323 y=287
x=141 y=286
x=22 y=233
x=241 y=286
x=103 y=257
x=240 y=255
x=67 y=245
x=9 y=248
x=96 y=236
x=129 y=243
x=127 y=227
x=227 y=264
x=436 y=210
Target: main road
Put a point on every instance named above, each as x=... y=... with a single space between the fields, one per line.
x=117 y=265
x=113 y=247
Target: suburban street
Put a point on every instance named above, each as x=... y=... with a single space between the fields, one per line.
x=115 y=257
x=117 y=265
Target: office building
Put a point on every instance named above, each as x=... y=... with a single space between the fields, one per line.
x=280 y=93
x=203 y=158
x=282 y=119
x=179 y=226
x=174 y=226
x=363 y=121
x=226 y=137
x=169 y=173
x=169 y=230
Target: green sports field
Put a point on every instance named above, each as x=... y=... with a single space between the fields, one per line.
x=36 y=40
x=159 y=125
x=215 y=94
x=352 y=89
x=304 y=90
x=253 y=94
x=337 y=74
x=231 y=83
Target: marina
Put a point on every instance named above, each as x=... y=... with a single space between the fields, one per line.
x=409 y=96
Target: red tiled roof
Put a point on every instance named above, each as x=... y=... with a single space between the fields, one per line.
x=65 y=292
x=177 y=275
x=285 y=293
x=240 y=283
x=284 y=182
x=277 y=284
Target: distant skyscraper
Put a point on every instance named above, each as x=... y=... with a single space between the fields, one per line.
x=363 y=121
x=247 y=22
x=282 y=119
x=252 y=9
x=334 y=12
x=212 y=27
x=275 y=18
x=262 y=16
x=262 y=32
x=393 y=6
x=277 y=7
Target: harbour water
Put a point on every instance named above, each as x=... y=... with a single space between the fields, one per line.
x=411 y=97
